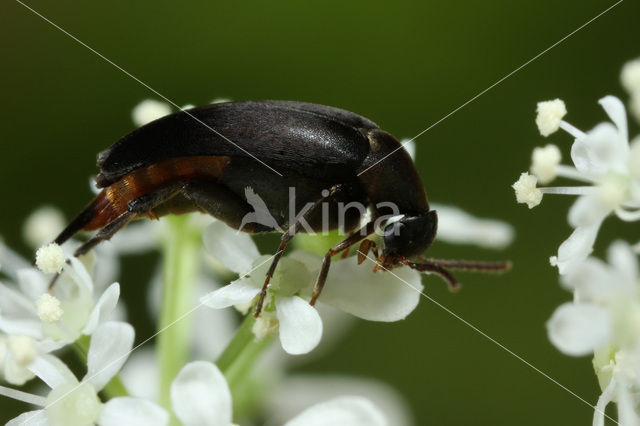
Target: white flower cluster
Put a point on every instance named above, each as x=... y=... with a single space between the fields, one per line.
x=122 y=386
x=604 y=160
x=603 y=320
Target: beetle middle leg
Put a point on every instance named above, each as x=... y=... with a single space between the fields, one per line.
x=286 y=237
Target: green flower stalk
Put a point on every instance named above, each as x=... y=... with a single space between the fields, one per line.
x=180 y=265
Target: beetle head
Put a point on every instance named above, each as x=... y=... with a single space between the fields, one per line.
x=411 y=235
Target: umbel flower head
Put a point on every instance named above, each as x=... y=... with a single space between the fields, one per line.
x=72 y=402
x=603 y=160
x=604 y=320
x=350 y=287
x=61 y=316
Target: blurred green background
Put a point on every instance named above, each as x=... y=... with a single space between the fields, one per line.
x=403 y=64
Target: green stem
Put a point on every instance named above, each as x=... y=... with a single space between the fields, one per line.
x=179 y=273
x=237 y=363
x=243 y=337
x=115 y=387
x=239 y=370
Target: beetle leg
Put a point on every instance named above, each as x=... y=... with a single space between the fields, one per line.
x=352 y=239
x=286 y=237
x=143 y=204
x=147 y=202
x=105 y=233
x=364 y=249
x=220 y=202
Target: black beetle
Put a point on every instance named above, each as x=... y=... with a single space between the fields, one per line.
x=204 y=158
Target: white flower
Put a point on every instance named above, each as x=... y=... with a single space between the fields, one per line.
x=459 y=227
x=606 y=309
x=148 y=111
x=354 y=289
x=16 y=352
x=604 y=160
x=544 y=163
x=71 y=402
x=58 y=316
x=296 y=392
x=43 y=225
x=409 y=145
x=200 y=396
x=604 y=319
x=630 y=76
x=151 y=109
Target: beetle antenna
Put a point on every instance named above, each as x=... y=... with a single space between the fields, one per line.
x=441 y=267
x=469 y=265
x=434 y=268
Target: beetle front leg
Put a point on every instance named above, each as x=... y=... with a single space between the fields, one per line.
x=366 y=246
x=352 y=239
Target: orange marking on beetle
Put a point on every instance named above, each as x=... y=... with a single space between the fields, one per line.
x=113 y=200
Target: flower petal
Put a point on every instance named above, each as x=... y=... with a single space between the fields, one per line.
x=239 y=291
x=102 y=309
x=234 y=249
x=109 y=348
x=625 y=261
x=127 y=411
x=345 y=410
x=591 y=282
x=32 y=282
x=600 y=150
x=576 y=248
x=79 y=274
x=200 y=395
x=578 y=329
x=617 y=113
x=30 y=418
x=18 y=314
x=210 y=342
x=15 y=373
x=106 y=271
x=11 y=262
x=52 y=371
x=140 y=373
x=149 y=110
x=138 y=237
x=27 y=327
x=15 y=305
x=300 y=325
x=587 y=210
x=298 y=392
x=459 y=227
x=382 y=296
